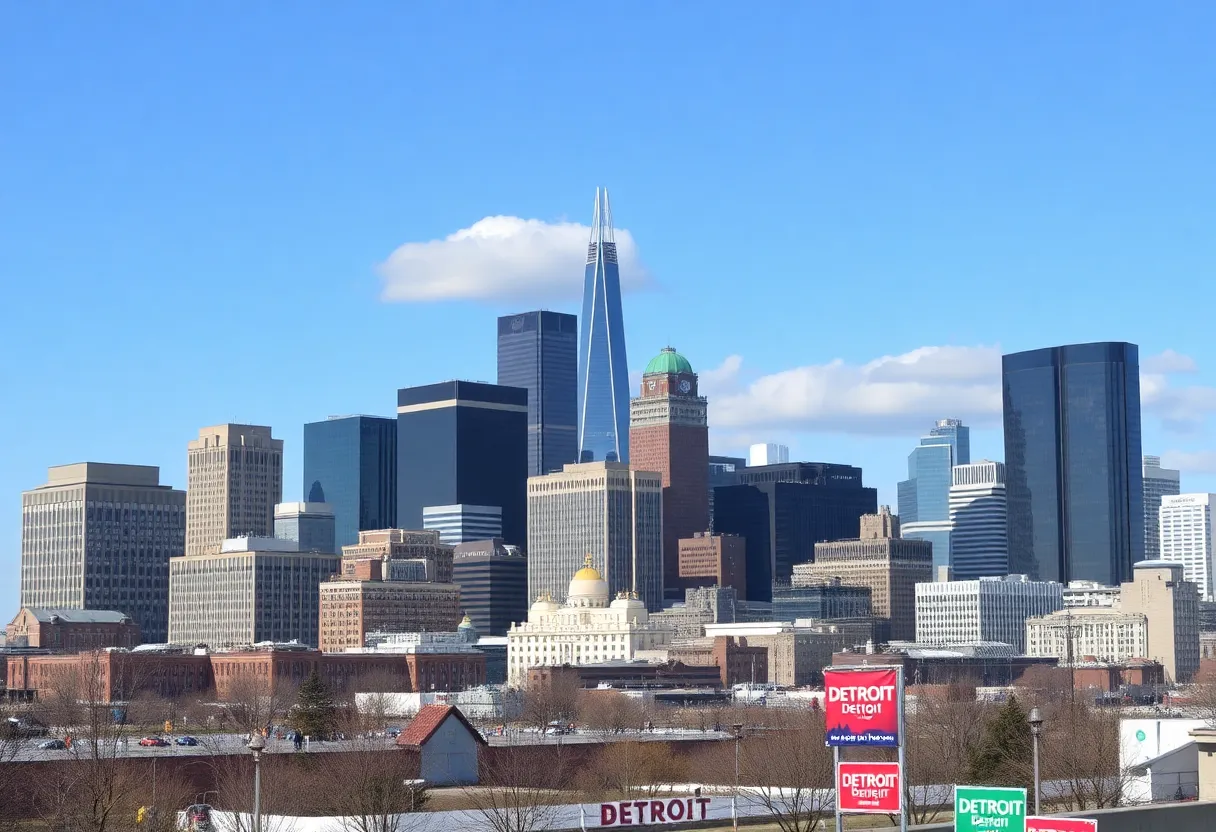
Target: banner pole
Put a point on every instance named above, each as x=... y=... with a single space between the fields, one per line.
x=903 y=771
x=836 y=788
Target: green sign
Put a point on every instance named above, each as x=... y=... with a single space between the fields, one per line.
x=989 y=809
x=1141 y=736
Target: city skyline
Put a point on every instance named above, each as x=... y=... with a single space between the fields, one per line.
x=314 y=196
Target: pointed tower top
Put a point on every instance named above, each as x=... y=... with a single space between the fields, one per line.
x=601 y=220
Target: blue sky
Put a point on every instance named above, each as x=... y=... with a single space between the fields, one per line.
x=199 y=203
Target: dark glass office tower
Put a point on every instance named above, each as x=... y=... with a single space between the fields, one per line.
x=603 y=372
x=350 y=462
x=1072 y=460
x=463 y=442
x=539 y=352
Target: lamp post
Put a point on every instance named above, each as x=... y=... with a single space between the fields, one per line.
x=256 y=746
x=737 y=730
x=1035 y=718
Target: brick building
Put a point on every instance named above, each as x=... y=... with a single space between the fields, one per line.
x=350 y=609
x=112 y=675
x=71 y=631
x=737 y=662
x=403 y=544
x=714 y=560
x=669 y=434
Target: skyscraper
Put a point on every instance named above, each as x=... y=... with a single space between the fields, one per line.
x=1158 y=482
x=350 y=462
x=309 y=525
x=768 y=453
x=978 y=543
x=924 y=498
x=99 y=537
x=1072 y=457
x=538 y=351
x=604 y=511
x=463 y=443
x=1187 y=534
x=234 y=480
x=493 y=581
x=668 y=433
x=603 y=371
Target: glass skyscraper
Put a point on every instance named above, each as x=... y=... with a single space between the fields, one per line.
x=539 y=352
x=603 y=372
x=350 y=462
x=924 y=498
x=1072 y=459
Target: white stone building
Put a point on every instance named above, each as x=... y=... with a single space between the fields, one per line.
x=987 y=609
x=1076 y=634
x=1186 y=533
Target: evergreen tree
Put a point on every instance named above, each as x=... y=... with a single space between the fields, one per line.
x=1004 y=757
x=314 y=712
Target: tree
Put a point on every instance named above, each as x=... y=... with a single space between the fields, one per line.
x=520 y=787
x=622 y=770
x=941 y=737
x=610 y=712
x=372 y=786
x=253 y=702
x=554 y=699
x=1004 y=755
x=789 y=772
x=314 y=712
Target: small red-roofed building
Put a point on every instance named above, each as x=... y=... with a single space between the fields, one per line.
x=447 y=743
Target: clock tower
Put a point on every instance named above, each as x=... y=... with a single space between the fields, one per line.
x=669 y=434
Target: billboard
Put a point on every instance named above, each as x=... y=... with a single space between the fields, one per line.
x=989 y=809
x=653 y=812
x=1061 y=825
x=862 y=706
x=868 y=787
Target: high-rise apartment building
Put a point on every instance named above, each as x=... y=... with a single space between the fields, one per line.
x=310 y=525
x=604 y=510
x=924 y=498
x=234 y=480
x=1073 y=463
x=99 y=536
x=669 y=433
x=493 y=580
x=603 y=370
x=987 y=609
x=978 y=542
x=1158 y=483
x=784 y=510
x=1170 y=604
x=1187 y=528
x=768 y=453
x=889 y=565
x=250 y=590
x=538 y=351
x=460 y=523
x=463 y=443
x=350 y=463
x=714 y=560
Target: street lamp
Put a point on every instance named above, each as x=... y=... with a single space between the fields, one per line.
x=256 y=746
x=737 y=730
x=1035 y=718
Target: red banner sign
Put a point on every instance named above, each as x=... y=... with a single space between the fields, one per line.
x=868 y=787
x=651 y=812
x=1061 y=825
x=862 y=706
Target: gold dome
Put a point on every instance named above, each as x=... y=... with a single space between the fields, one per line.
x=588 y=572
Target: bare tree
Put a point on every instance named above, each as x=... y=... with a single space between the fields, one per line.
x=621 y=770
x=253 y=703
x=520 y=788
x=371 y=787
x=940 y=738
x=610 y=712
x=286 y=790
x=553 y=700
x=1081 y=749
x=789 y=772
x=12 y=736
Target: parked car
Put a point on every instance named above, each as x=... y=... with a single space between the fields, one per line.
x=187 y=740
x=52 y=745
x=393 y=731
x=153 y=742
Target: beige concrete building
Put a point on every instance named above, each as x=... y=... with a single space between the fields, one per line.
x=1104 y=634
x=602 y=509
x=350 y=609
x=1171 y=606
x=234 y=479
x=890 y=566
x=797 y=654
x=402 y=544
x=251 y=590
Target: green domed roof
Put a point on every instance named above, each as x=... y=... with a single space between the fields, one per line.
x=668 y=361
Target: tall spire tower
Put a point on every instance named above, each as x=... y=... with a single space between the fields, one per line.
x=603 y=372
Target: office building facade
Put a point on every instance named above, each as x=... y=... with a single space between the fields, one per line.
x=924 y=498
x=463 y=443
x=987 y=609
x=350 y=609
x=538 y=351
x=461 y=523
x=1158 y=483
x=1170 y=604
x=669 y=434
x=1073 y=462
x=603 y=509
x=830 y=599
x=99 y=536
x=310 y=525
x=493 y=581
x=1186 y=535
x=234 y=480
x=394 y=547
x=978 y=542
x=251 y=590
x=603 y=369
x=1077 y=635
x=350 y=463
x=723 y=470
x=713 y=560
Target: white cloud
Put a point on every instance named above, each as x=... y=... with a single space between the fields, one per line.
x=502 y=258
x=902 y=394
x=1190 y=462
